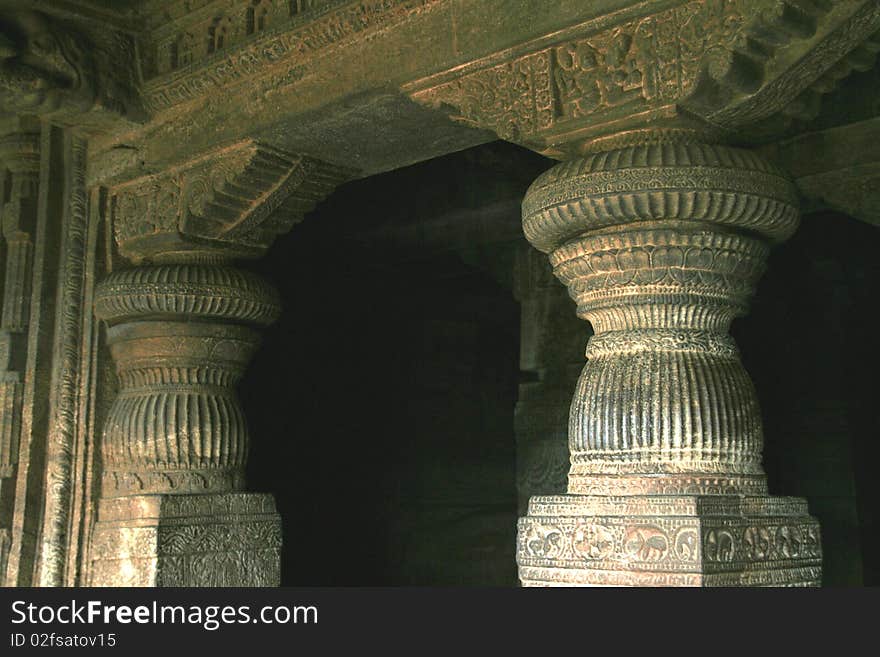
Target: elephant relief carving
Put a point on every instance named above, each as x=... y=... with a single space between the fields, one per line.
x=647 y=543
x=719 y=545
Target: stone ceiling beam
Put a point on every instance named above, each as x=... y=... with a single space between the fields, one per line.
x=837 y=168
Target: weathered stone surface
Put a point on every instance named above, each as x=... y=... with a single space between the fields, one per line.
x=228 y=203
x=187 y=540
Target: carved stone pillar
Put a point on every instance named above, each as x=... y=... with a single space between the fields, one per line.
x=660 y=244
x=182 y=327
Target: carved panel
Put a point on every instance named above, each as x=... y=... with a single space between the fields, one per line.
x=644 y=63
x=187 y=540
x=728 y=62
x=651 y=541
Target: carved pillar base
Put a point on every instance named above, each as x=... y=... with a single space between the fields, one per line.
x=668 y=540
x=231 y=539
x=660 y=245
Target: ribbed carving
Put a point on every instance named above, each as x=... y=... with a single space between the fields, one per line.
x=694 y=274
x=176 y=425
x=661 y=246
x=668 y=410
x=182 y=429
x=206 y=291
x=657 y=182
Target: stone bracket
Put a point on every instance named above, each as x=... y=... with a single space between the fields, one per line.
x=231 y=202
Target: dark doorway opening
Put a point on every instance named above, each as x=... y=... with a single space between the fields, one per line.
x=381 y=405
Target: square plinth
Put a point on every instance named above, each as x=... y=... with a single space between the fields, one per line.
x=676 y=540
x=230 y=539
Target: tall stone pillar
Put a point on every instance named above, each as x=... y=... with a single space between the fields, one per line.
x=182 y=327
x=660 y=242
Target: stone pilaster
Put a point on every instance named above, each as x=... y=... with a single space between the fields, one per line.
x=182 y=327
x=20 y=156
x=20 y=160
x=660 y=244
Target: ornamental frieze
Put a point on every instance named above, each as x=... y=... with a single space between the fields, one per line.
x=731 y=62
x=231 y=45
x=671 y=544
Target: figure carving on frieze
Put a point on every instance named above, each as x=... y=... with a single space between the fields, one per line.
x=599 y=73
x=42 y=68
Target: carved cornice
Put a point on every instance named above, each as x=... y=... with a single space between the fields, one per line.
x=795 y=57
x=706 y=64
x=229 y=203
x=188 y=59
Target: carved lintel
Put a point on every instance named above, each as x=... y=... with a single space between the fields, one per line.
x=193 y=53
x=707 y=65
x=230 y=203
